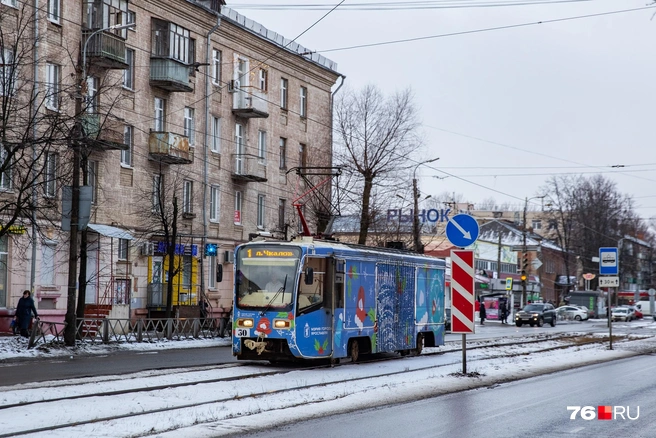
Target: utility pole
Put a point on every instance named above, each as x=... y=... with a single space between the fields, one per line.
x=524 y=275
x=416 y=234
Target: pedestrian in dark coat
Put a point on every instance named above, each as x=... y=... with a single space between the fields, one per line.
x=24 y=311
x=482 y=313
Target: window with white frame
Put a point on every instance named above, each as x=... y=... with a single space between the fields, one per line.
x=238 y=217
x=128 y=139
x=283 y=153
x=50 y=175
x=304 y=95
x=216 y=134
x=215 y=203
x=53 y=85
x=7 y=72
x=123 y=248
x=261 y=146
x=186 y=271
x=216 y=67
x=131 y=19
x=5 y=163
x=54 y=11
x=302 y=154
x=260 y=211
x=187 y=196
x=282 y=204
x=173 y=41
x=128 y=73
x=283 y=93
x=48 y=251
x=4 y=253
x=92 y=169
x=536 y=224
x=92 y=94
x=156 y=194
x=160 y=114
x=13 y=3
x=262 y=79
x=211 y=272
x=189 y=127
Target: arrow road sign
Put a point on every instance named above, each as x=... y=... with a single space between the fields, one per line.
x=462 y=230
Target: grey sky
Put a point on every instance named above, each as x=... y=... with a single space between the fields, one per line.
x=579 y=92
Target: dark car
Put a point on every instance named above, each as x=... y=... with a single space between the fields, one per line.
x=536 y=314
x=447 y=319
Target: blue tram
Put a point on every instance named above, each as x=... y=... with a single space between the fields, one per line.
x=321 y=299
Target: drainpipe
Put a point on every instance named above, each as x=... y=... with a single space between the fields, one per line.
x=35 y=93
x=205 y=155
x=332 y=101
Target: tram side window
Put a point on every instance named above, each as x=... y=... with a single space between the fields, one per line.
x=312 y=295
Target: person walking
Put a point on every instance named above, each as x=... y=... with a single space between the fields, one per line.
x=482 y=312
x=24 y=311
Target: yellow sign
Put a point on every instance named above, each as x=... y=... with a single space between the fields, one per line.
x=509 y=283
x=15 y=229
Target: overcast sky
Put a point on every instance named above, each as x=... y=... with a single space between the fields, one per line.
x=573 y=96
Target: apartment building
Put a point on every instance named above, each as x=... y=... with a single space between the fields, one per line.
x=189 y=111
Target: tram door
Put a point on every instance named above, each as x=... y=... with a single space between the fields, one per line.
x=314 y=309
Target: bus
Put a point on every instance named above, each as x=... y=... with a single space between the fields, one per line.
x=315 y=299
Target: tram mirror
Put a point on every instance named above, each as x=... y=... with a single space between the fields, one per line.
x=219 y=272
x=309 y=276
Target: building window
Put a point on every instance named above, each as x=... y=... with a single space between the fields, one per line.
x=211 y=283
x=54 y=11
x=128 y=74
x=7 y=72
x=187 y=196
x=50 y=175
x=260 y=211
x=156 y=194
x=303 y=109
x=10 y=2
x=215 y=203
x=262 y=79
x=281 y=214
x=238 y=217
x=3 y=271
x=100 y=14
x=283 y=153
x=92 y=95
x=216 y=134
x=5 y=163
x=92 y=169
x=128 y=139
x=239 y=149
x=283 y=93
x=189 y=128
x=216 y=67
x=171 y=40
x=186 y=271
x=261 y=146
x=536 y=224
x=132 y=19
x=53 y=85
x=48 y=264
x=160 y=114
x=301 y=154
x=123 y=247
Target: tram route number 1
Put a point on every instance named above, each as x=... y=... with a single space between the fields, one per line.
x=242 y=332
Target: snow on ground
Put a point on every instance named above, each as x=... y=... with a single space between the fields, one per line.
x=229 y=412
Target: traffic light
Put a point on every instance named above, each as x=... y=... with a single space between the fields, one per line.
x=524 y=263
x=210 y=249
x=523 y=277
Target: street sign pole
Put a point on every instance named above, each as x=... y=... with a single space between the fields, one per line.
x=610 y=320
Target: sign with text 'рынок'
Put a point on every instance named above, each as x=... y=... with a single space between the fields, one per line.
x=462 y=291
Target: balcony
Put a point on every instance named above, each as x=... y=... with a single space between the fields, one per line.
x=249 y=105
x=170 y=148
x=105 y=49
x=107 y=136
x=248 y=168
x=170 y=75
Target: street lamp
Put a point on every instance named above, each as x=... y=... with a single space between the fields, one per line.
x=78 y=133
x=524 y=266
x=415 y=222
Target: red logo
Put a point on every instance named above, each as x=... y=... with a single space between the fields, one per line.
x=604 y=412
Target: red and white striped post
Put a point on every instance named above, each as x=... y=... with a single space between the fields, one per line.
x=462 y=297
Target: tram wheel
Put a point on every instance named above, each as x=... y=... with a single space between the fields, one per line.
x=420 y=345
x=354 y=350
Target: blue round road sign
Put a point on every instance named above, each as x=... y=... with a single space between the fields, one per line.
x=462 y=230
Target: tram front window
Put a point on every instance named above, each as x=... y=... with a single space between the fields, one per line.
x=266 y=282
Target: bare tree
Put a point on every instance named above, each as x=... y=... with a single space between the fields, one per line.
x=376 y=137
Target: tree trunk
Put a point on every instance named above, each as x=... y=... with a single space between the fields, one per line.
x=170 y=254
x=365 y=218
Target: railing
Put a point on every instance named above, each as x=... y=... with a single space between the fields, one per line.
x=105 y=45
x=249 y=167
x=170 y=147
x=114 y=330
x=170 y=74
x=254 y=102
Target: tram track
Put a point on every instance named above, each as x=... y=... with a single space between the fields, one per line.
x=268 y=379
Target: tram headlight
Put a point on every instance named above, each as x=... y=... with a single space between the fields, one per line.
x=245 y=322
x=281 y=323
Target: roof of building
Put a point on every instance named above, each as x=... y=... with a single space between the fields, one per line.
x=511 y=235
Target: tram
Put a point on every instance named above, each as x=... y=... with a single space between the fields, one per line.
x=311 y=299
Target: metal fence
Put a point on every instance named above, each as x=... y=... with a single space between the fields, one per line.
x=115 y=330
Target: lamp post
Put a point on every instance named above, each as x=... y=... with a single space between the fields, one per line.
x=524 y=274
x=419 y=248
x=76 y=143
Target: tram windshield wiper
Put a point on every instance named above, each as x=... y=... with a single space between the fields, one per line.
x=282 y=289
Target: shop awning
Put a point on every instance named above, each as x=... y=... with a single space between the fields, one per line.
x=109 y=231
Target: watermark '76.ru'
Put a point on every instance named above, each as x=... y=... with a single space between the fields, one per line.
x=604 y=412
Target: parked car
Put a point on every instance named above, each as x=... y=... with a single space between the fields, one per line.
x=620 y=314
x=573 y=312
x=591 y=313
x=536 y=314
x=447 y=319
x=636 y=313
